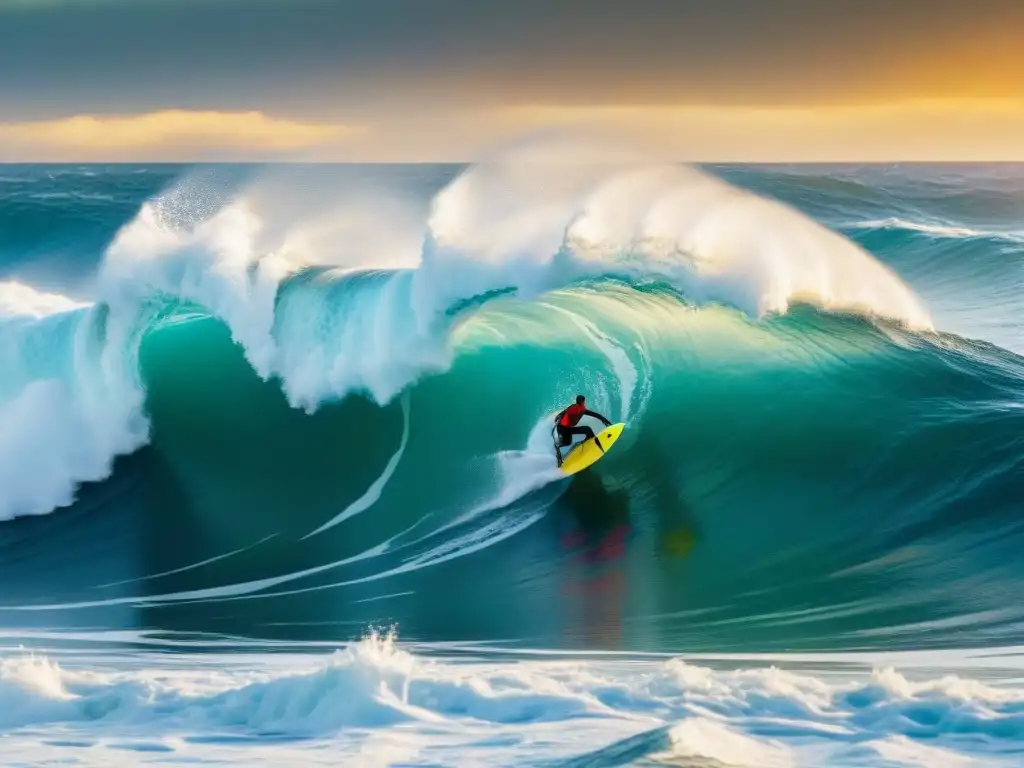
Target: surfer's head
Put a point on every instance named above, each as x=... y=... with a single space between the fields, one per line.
x=580 y=399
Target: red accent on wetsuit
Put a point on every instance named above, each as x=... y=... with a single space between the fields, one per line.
x=572 y=415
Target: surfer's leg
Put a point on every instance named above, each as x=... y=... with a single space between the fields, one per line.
x=562 y=439
x=589 y=433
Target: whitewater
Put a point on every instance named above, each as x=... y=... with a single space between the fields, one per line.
x=277 y=483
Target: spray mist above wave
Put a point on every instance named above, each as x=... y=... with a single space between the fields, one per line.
x=536 y=220
x=533 y=221
x=545 y=217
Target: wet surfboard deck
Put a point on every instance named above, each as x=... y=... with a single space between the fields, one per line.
x=584 y=454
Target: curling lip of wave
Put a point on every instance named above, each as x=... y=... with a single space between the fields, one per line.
x=715 y=242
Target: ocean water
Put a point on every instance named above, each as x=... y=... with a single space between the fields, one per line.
x=277 y=484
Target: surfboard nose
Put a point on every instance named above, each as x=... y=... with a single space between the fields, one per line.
x=590 y=450
x=612 y=433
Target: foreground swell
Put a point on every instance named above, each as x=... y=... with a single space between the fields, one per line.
x=376 y=704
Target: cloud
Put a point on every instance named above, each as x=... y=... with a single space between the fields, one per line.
x=167 y=135
x=910 y=130
x=922 y=130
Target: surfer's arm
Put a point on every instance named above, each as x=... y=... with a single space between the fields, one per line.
x=558 y=416
x=597 y=416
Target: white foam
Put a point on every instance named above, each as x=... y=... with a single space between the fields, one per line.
x=935 y=228
x=372 y=494
x=68 y=403
x=532 y=225
x=714 y=241
x=376 y=695
x=520 y=472
x=45 y=448
x=702 y=737
x=216 y=263
x=903 y=751
x=20 y=300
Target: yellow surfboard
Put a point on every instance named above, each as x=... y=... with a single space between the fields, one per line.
x=582 y=455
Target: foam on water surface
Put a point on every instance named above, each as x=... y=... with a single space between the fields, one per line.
x=376 y=703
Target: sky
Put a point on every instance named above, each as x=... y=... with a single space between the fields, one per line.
x=451 y=80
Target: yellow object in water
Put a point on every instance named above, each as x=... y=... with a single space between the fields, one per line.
x=586 y=453
x=678 y=542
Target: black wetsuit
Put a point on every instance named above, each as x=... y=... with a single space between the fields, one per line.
x=573 y=414
x=565 y=434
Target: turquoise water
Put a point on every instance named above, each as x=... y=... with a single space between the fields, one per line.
x=269 y=409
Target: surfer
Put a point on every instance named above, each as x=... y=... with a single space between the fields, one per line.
x=566 y=421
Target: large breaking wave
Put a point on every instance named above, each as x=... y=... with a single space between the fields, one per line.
x=326 y=319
